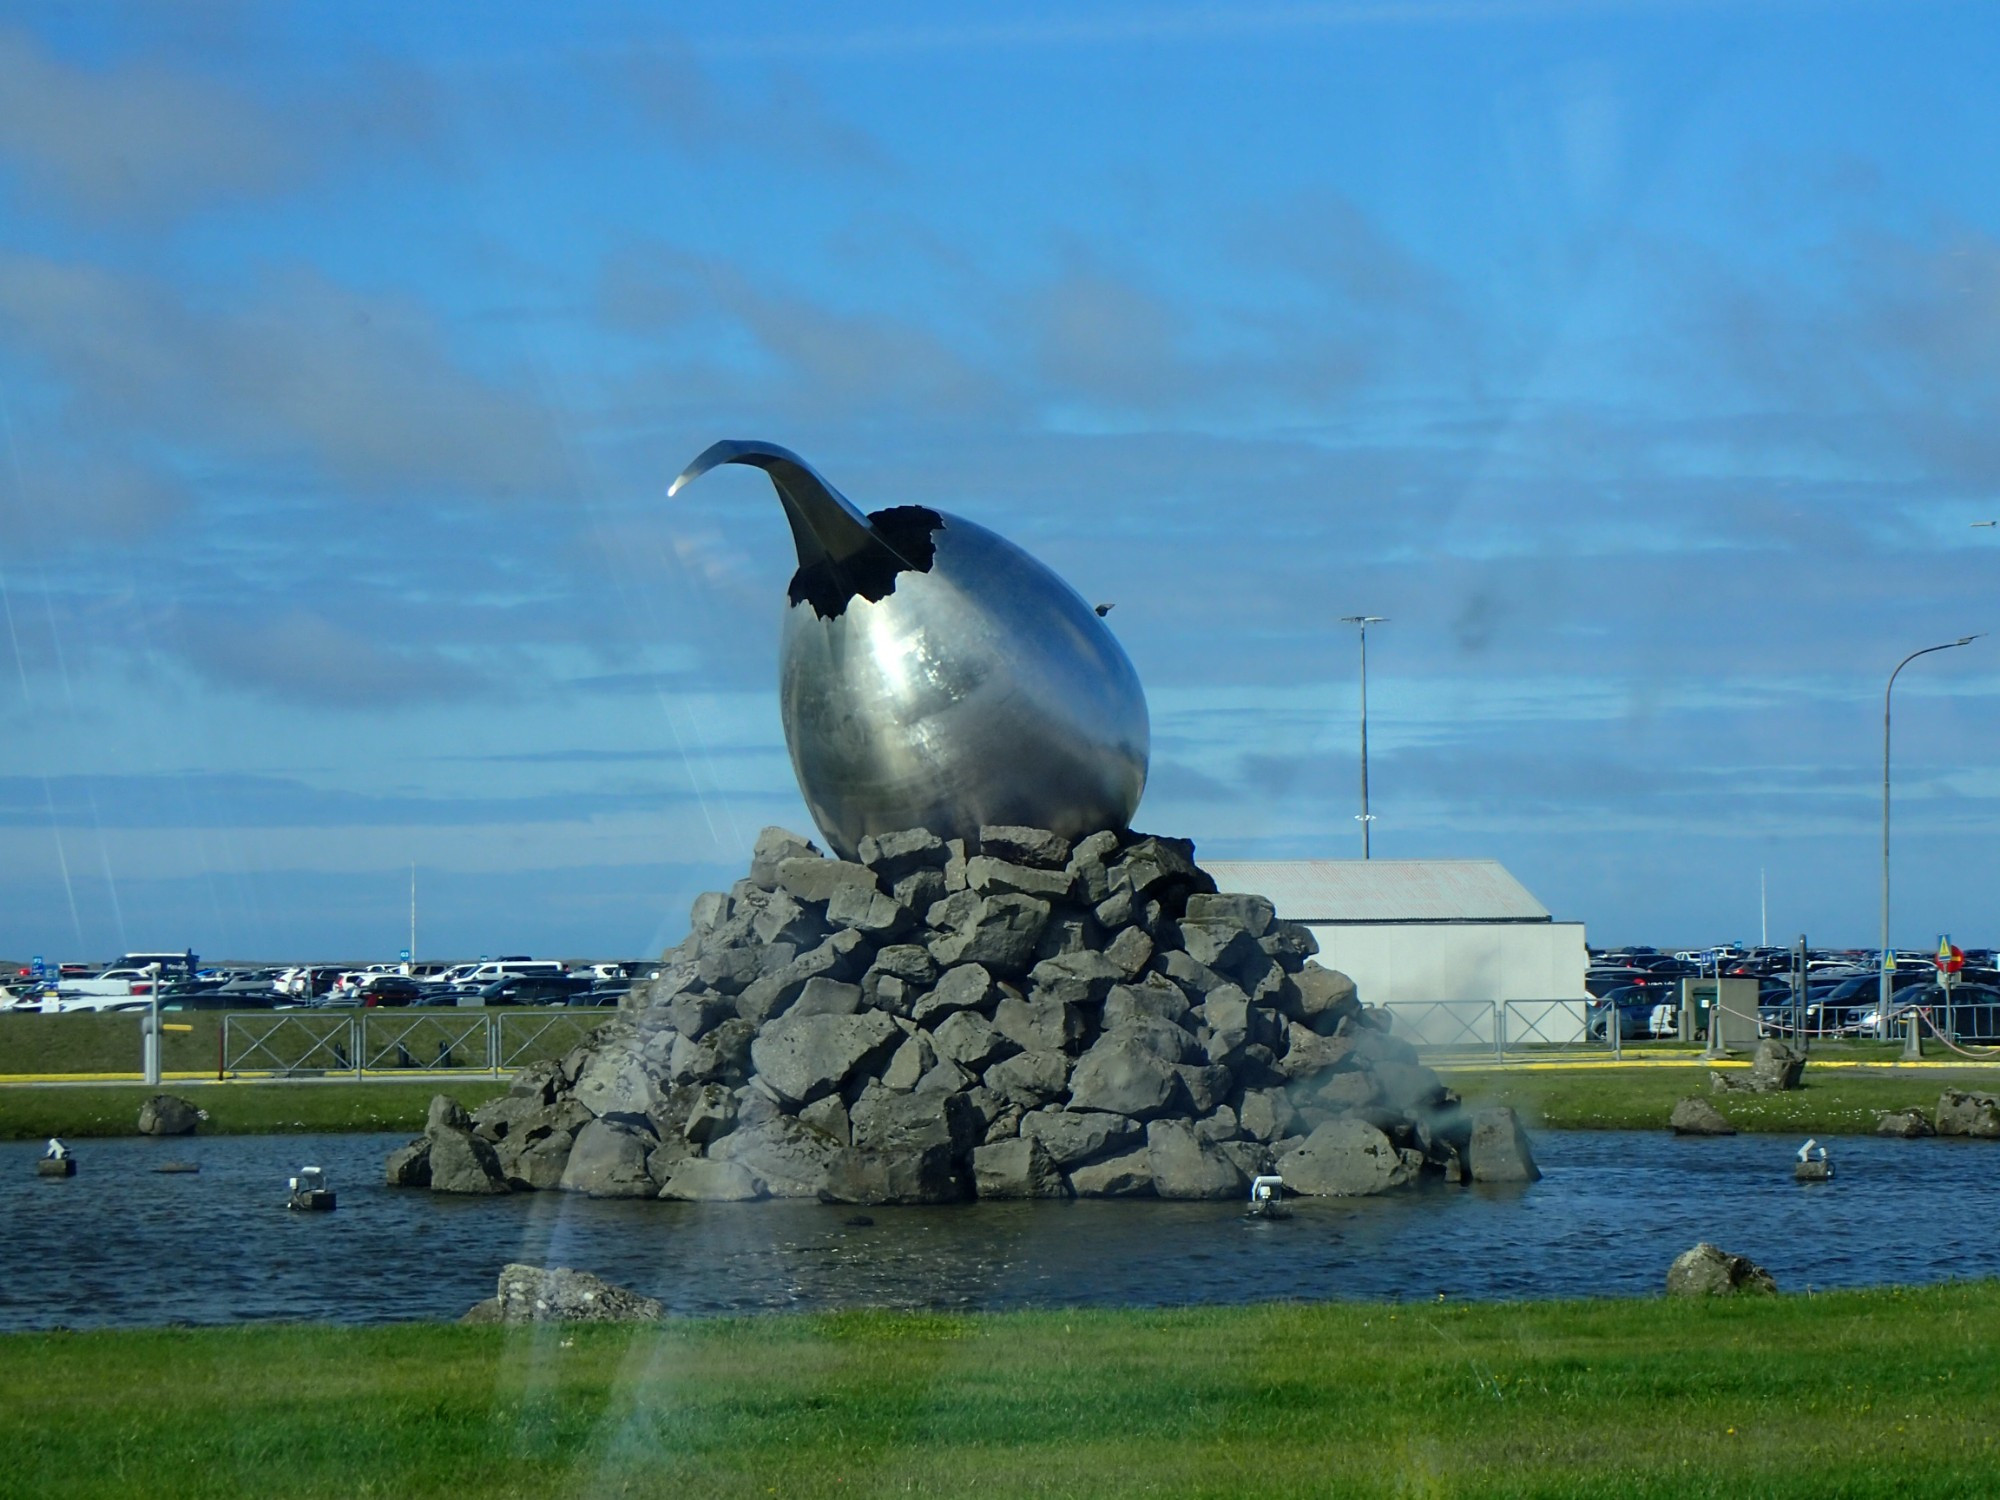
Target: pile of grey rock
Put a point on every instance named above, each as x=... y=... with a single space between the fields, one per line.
x=1011 y=1016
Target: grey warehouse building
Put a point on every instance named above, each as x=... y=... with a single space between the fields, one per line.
x=1445 y=943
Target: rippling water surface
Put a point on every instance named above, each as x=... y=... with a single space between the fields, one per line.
x=122 y=1245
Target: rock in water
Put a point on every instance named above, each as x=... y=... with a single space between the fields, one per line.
x=1498 y=1149
x=1706 y=1271
x=460 y=1162
x=1009 y=1013
x=1696 y=1116
x=530 y=1294
x=1346 y=1158
x=607 y=1161
x=410 y=1166
x=169 y=1114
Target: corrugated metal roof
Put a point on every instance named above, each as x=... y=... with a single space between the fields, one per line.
x=1382 y=890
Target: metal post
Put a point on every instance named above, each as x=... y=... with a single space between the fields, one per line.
x=151 y=1052
x=1887 y=958
x=1799 y=994
x=1364 y=621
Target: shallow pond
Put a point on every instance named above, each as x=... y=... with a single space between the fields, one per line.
x=122 y=1245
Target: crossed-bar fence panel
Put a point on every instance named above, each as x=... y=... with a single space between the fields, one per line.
x=289 y=1044
x=1443 y=1023
x=404 y=1039
x=1544 y=1023
x=528 y=1037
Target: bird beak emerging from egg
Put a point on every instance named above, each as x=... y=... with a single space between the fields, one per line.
x=934 y=675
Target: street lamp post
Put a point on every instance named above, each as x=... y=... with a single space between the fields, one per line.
x=1887 y=955
x=1364 y=621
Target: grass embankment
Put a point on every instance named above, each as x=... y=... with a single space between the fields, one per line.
x=80 y=1111
x=105 y=1043
x=1833 y=1101
x=36 y=1046
x=1854 y=1394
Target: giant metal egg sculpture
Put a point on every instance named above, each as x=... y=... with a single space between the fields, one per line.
x=934 y=675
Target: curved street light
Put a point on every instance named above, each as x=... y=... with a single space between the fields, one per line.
x=1887 y=957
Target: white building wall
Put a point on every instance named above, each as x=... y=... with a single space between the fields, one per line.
x=1394 y=963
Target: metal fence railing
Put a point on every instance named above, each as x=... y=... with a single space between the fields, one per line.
x=406 y=1039
x=302 y=1044
x=1543 y=1023
x=532 y=1036
x=1445 y=1024
x=289 y=1044
x=1495 y=1027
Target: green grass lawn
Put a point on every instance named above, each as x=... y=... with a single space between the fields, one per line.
x=1890 y=1393
x=1834 y=1100
x=79 y=1111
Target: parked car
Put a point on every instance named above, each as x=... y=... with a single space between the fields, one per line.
x=388 y=989
x=1600 y=981
x=531 y=989
x=303 y=983
x=1965 y=1013
x=1638 y=1009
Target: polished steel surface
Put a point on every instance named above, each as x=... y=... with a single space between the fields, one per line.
x=977 y=688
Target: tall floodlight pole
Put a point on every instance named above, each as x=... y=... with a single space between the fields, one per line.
x=1364 y=621
x=1887 y=958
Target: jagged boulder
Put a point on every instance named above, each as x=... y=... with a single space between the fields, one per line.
x=460 y=1162
x=1345 y=1158
x=1777 y=1068
x=703 y=1180
x=1129 y=1175
x=804 y=1057
x=1498 y=1150
x=1072 y=1137
x=530 y=1294
x=410 y=1166
x=896 y=1174
x=791 y=1158
x=169 y=1114
x=1018 y=1168
x=1706 y=1271
x=1124 y=1074
x=1185 y=1166
x=1904 y=1124
x=1967 y=1113
x=608 y=1160
x=1696 y=1116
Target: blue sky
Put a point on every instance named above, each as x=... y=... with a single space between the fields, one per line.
x=1638 y=360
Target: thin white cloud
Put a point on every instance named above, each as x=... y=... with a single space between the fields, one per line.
x=136 y=138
